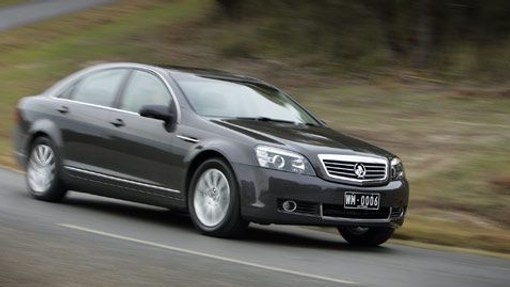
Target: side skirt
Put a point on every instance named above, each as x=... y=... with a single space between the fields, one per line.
x=109 y=186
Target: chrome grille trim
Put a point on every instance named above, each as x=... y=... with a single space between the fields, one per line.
x=341 y=167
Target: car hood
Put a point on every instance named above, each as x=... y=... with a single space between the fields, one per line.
x=307 y=139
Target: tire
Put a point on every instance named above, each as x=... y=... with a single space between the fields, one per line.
x=43 y=171
x=366 y=236
x=213 y=200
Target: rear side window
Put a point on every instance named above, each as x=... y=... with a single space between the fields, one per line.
x=99 y=88
x=144 y=89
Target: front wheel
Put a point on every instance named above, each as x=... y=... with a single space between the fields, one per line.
x=213 y=200
x=366 y=236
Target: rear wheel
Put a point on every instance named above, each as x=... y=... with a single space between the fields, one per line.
x=213 y=200
x=43 y=171
x=366 y=236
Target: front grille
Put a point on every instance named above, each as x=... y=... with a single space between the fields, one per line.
x=344 y=167
x=331 y=210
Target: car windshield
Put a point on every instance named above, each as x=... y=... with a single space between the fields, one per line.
x=233 y=99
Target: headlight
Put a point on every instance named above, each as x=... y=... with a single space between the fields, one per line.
x=280 y=159
x=397 y=169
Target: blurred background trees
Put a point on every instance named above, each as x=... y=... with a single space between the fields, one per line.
x=455 y=37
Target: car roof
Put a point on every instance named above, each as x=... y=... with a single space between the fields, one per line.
x=211 y=73
x=186 y=70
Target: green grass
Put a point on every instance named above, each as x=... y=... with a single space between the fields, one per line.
x=5 y=3
x=455 y=142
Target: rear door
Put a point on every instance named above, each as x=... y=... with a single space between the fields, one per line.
x=142 y=148
x=84 y=110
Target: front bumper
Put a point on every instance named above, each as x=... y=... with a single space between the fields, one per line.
x=19 y=143
x=319 y=202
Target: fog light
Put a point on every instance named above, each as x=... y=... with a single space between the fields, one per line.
x=289 y=206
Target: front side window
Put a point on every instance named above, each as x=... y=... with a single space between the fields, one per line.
x=99 y=88
x=67 y=92
x=144 y=89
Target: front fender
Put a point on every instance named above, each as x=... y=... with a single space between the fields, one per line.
x=231 y=151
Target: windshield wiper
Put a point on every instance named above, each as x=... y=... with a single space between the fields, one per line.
x=266 y=119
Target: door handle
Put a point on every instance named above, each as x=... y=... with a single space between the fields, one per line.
x=63 y=110
x=117 y=123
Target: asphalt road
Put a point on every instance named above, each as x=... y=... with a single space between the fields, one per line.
x=93 y=241
x=37 y=10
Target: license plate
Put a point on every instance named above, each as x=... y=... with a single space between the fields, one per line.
x=357 y=200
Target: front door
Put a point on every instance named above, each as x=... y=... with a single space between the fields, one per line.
x=142 y=148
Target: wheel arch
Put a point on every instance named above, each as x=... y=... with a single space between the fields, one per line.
x=230 y=226
x=44 y=128
x=198 y=159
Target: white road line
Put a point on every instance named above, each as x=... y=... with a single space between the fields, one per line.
x=198 y=253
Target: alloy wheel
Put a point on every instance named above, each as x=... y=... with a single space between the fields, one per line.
x=211 y=197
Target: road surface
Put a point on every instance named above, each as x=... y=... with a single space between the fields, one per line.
x=37 y=10
x=93 y=241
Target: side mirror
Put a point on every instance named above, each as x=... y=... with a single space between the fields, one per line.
x=158 y=112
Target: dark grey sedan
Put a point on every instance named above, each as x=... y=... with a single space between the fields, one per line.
x=228 y=149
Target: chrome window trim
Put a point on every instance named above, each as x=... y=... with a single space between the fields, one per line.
x=121 y=179
x=58 y=87
x=355 y=159
x=97 y=106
